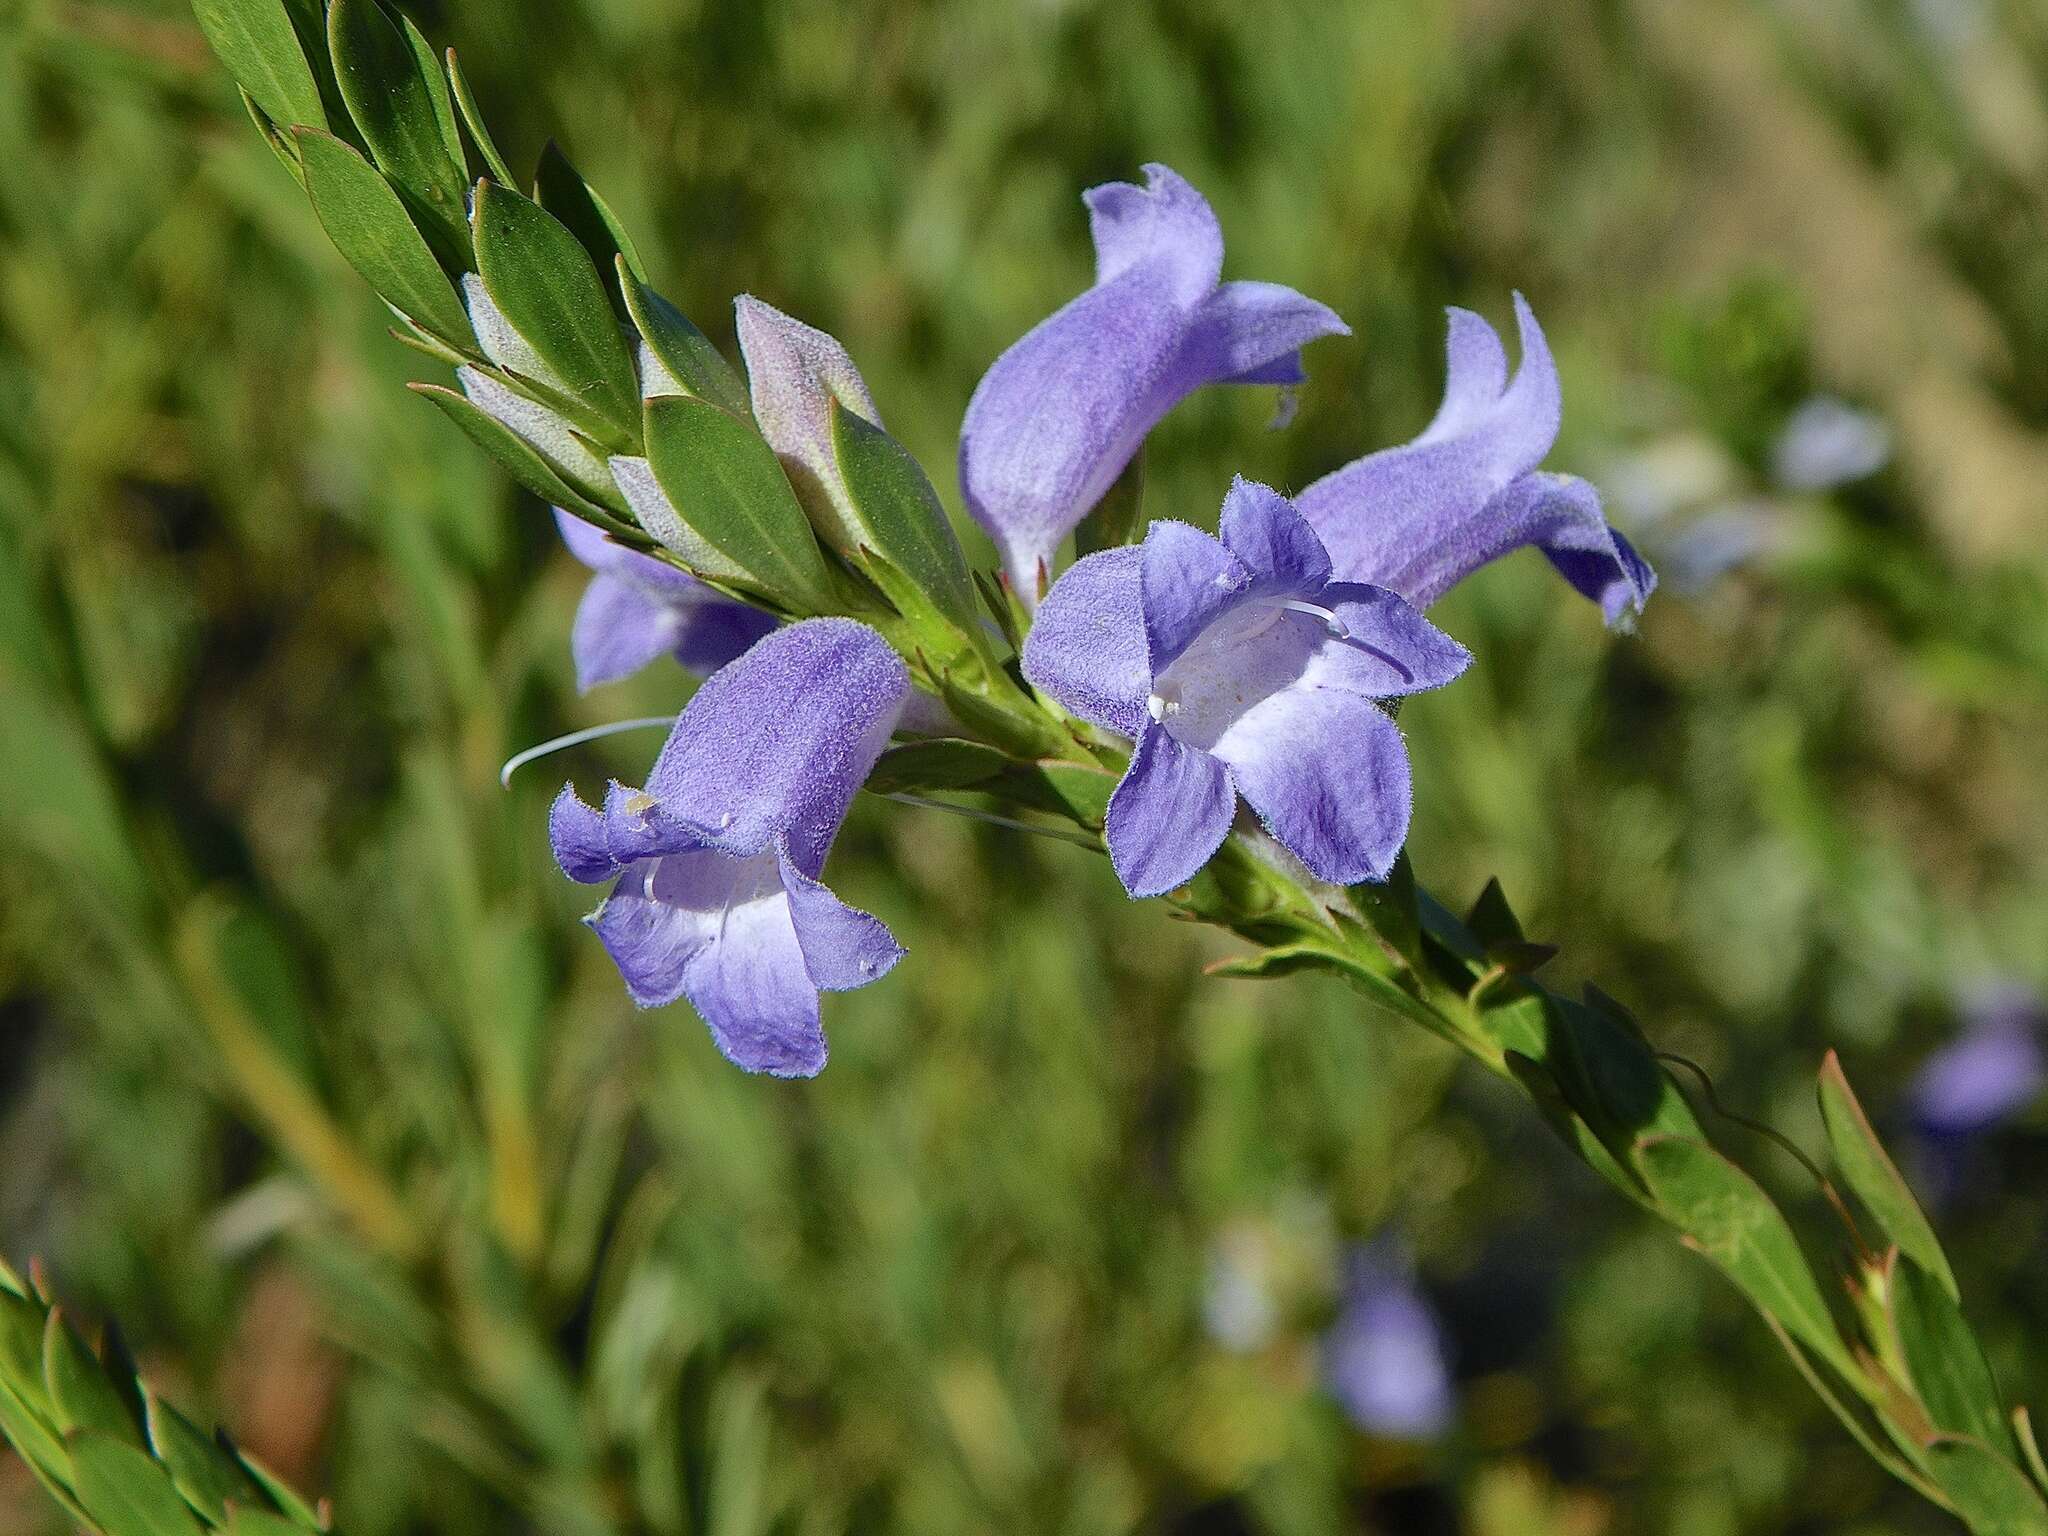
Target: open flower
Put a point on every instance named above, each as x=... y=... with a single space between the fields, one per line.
x=1240 y=667
x=717 y=861
x=1060 y=414
x=1422 y=517
x=637 y=608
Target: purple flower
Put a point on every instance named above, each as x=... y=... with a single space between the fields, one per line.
x=1828 y=442
x=1240 y=667
x=1422 y=517
x=637 y=608
x=1062 y=412
x=1384 y=1356
x=1990 y=1072
x=717 y=860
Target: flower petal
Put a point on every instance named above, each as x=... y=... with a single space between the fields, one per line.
x=1262 y=528
x=715 y=630
x=1405 y=517
x=1087 y=644
x=1165 y=226
x=620 y=627
x=1560 y=515
x=843 y=947
x=780 y=740
x=1188 y=581
x=1327 y=772
x=593 y=547
x=577 y=835
x=1059 y=415
x=794 y=372
x=1389 y=648
x=1169 y=815
x=1475 y=374
x=1253 y=333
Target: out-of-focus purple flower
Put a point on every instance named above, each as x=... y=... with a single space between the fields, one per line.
x=1993 y=1069
x=1241 y=668
x=1422 y=517
x=1061 y=413
x=1827 y=442
x=717 y=861
x=1384 y=1357
x=637 y=608
x=794 y=372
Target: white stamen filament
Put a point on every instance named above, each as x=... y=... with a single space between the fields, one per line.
x=576 y=739
x=1330 y=620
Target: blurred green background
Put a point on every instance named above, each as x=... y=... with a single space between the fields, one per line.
x=309 y=1074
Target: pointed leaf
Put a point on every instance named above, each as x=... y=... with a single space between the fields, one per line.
x=205 y=1474
x=282 y=1494
x=399 y=101
x=902 y=516
x=21 y=1340
x=540 y=277
x=256 y=41
x=1492 y=921
x=1992 y=1495
x=375 y=235
x=473 y=120
x=1726 y=1215
x=685 y=351
x=1950 y=1374
x=942 y=763
x=1875 y=1179
x=249 y=1520
x=560 y=188
x=34 y=1437
x=125 y=1492
x=727 y=485
x=81 y=1396
x=522 y=461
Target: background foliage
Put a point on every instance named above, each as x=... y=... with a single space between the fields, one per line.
x=307 y=1071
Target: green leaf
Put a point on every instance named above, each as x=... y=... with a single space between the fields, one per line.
x=255 y=40
x=81 y=1396
x=375 y=235
x=1725 y=1214
x=247 y=1520
x=205 y=1474
x=473 y=120
x=399 y=101
x=538 y=274
x=288 y=1502
x=2030 y=1450
x=685 y=351
x=1390 y=907
x=1875 y=1179
x=125 y=1492
x=939 y=764
x=21 y=1339
x=1492 y=921
x=523 y=462
x=1118 y=518
x=728 y=487
x=560 y=188
x=901 y=516
x=1610 y=1077
x=1950 y=1374
x=287 y=152
x=1993 y=1496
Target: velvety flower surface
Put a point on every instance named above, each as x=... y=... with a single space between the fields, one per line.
x=637 y=609
x=1241 y=668
x=716 y=862
x=1384 y=1357
x=1422 y=517
x=1060 y=414
x=794 y=373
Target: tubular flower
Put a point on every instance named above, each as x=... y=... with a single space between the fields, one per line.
x=1422 y=517
x=717 y=896
x=636 y=608
x=1061 y=413
x=1384 y=1358
x=1241 y=668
